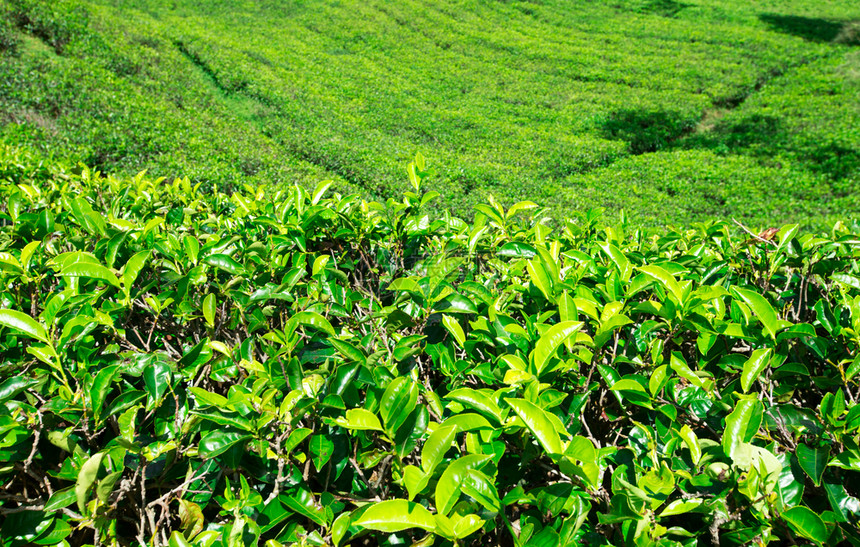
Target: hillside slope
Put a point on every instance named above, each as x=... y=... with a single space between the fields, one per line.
x=675 y=112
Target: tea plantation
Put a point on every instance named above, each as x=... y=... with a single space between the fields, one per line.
x=238 y=309
x=672 y=111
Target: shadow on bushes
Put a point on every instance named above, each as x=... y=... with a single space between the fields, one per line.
x=646 y=131
x=813 y=29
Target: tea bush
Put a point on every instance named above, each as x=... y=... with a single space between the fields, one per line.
x=189 y=367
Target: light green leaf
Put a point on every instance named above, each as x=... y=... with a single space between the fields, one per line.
x=664 y=278
x=692 y=441
x=448 y=487
x=550 y=341
x=396 y=515
x=361 y=419
x=415 y=480
x=23 y=323
x=132 y=269
x=806 y=523
x=86 y=478
x=209 y=306
x=754 y=367
x=539 y=277
x=453 y=326
x=398 y=400
x=625 y=269
x=679 y=507
x=846 y=279
x=539 y=424
x=94 y=271
x=311 y=319
x=477 y=400
x=761 y=308
x=436 y=446
x=741 y=425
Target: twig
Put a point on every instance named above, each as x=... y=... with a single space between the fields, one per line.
x=754 y=236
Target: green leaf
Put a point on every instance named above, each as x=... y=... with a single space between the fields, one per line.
x=455 y=303
x=520 y=206
x=132 y=269
x=303 y=502
x=539 y=277
x=846 y=279
x=632 y=391
x=853 y=368
x=157 y=378
x=224 y=262
x=396 y=515
x=94 y=271
x=398 y=400
x=625 y=269
x=679 y=507
x=361 y=419
x=23 y=323
x=515 y=249
x=435 y=447
x=322 y=449
x=102 y=384
x=813 y=461
x=310 y=319
x=453 y=326
x=86 y=478
x=841 y=502
x=604 y=333
x=692 y=442
x=539 y=424
x=482 y=489
x=761 y=308
x=177 y=538
x=550 y=341
x=13 y=386
x=219 y=441
x=60 y=499
x=754 y=367
x=682 y=369
x=806 y=523
x=295 y=439
x=209 y=306
x=192 y=248
x=477 y=400
x=741 y=425
x=105 y=486
x=451 y=481
x=348 y=350
x=664 y=278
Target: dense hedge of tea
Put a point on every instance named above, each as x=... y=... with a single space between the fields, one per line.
x=205 y=368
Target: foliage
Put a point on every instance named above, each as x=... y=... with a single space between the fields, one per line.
x=191 y=367
x=582 y=105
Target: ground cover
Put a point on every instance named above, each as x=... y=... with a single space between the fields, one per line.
x=672 y=111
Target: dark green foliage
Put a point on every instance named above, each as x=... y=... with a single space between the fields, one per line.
x=184 y=366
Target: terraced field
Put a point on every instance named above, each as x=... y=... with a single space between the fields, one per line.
x=673 y=112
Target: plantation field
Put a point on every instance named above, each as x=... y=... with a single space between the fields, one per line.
x=674 y=112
